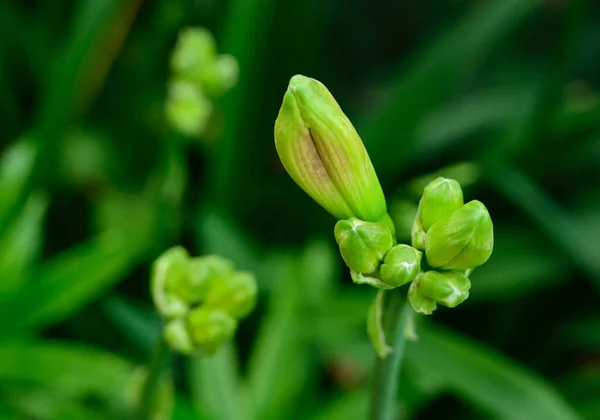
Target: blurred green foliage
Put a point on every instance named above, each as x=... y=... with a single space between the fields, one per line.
x=94 y=185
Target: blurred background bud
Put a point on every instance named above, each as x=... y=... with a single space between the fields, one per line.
x=220 y=76
x=210 y=328
x=187 y=109
x=419 y=302
x=234 y=293
x=401 y=265
x=362 y=244
x=194 y=51
x=463 y=240
x=448 y=288
x=322 y=152
x=440 y=197
x=177 y=336
x=170 y=268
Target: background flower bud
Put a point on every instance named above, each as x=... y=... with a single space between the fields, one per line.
x=419 y=302
x=463 y=240
x=322 y=152
x=362 y=244
x=210 y=328
x=441 y=197
x=170 y=268
x=400 y=265
x=187 y=109
x=234 y=293
x=194 y=50
x=220 y=76
x=448 y=288
x=178 y=337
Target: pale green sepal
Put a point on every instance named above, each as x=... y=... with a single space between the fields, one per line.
x=375 y=327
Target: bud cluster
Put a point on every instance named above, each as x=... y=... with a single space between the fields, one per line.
x=455 y=237
x=201 y=298
x=199 y=75
x=322 y=152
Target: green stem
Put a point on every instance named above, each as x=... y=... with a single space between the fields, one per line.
x=387 y=371
x=156 y=368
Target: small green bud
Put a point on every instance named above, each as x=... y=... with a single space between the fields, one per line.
x=178 y=337
x=419 y=302
x=234 y=293
x=418 y=235
x=194 y=50
x=448 y=288
x=210 y=328
x=440 y=198
x=187 y=109
x=322 y=152
x=463 y=240
x=362 y=244
x=170 y=268
x=400 y=265
x=220 y=76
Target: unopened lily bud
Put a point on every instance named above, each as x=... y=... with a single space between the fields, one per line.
x=170 y=268
x=419 y=302
x=400 y=265
x=194 y=51
x=448 y=288
x=220 y=76
x=322 y=152
x=177 y=336
x=187 y=109
x=418 y=235
x=362 y=244
x=441 y=197
x=234 y=293
x=210 y=327
x=463 y=240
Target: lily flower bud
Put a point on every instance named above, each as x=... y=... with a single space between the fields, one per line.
x=400 y=265
x=234 y=293
x=362 y=244
x=441 y=197
x=463 y=240
x=178 y=337
x=194 y=50
x=220 y=76
x=209 y=328
x=187 y=109
x=322 y=152
x=171 y=267
x=448 y=288
x=419 y=302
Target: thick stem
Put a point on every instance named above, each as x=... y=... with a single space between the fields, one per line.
x=387 y=371
x=150 y=388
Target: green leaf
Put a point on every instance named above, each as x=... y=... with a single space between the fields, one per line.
x=434 y=76
x=485 y=377
x=70 y=281
x=69 y=369
x=21 y=243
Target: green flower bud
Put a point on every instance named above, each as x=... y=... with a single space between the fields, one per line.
x=400 y=265
x=418 y=235
x=440 y=198
x=419 y=302
x=362 y=244
x=171 y=267
x=210 y=327
x=220 y=76
x=187 y=109
x=320 y=149
x=177 y=336
x=463 y=240
x=194 y=50
x=234 y=293
x=448 y=288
